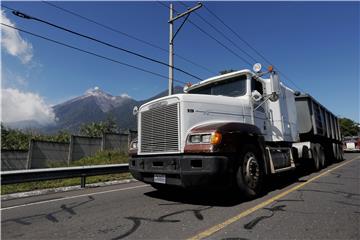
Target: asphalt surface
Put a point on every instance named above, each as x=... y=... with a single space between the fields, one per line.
x=302 y=205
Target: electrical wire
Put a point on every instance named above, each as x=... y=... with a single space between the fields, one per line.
x=127 y=35
x=250 y=46
x=222 y=34
x=213 y=38
x=26 y=16
x=90 y=53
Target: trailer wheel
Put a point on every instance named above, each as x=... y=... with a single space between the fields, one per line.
x=315 y=155
x=250 y=173
x=321 y=156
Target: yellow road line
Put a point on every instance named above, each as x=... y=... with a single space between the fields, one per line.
x=222 y=225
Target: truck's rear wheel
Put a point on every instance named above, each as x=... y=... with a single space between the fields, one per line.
x=321 y=156
x=316 y=159
x=250 y=174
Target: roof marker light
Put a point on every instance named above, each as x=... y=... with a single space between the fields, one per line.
x=257 y=67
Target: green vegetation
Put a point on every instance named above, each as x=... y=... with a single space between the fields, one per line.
x=14 y=139
x=349 y=127
x=105 y=157
x=30 y=186
x=102 y=157
x=97 y=129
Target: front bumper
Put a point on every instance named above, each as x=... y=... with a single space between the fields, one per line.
x=180 y=170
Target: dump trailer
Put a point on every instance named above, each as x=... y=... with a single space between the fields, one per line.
x=319 y=132
x=232 y=129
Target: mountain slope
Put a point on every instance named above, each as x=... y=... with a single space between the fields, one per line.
x=94 y=106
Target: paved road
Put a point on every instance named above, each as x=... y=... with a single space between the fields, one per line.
x=320 y=205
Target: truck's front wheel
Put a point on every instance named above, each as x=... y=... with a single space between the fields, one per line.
x=250 y=174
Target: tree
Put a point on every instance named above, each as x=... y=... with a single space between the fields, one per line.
x=97 y=129
x=349 y=127
x=61 y=136
x=13 y=139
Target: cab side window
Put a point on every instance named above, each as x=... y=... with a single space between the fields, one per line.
x=257 y=85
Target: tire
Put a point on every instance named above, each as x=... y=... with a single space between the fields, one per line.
x=321 y=157
x=250 y=172
x=341 y=154
x=315 y=156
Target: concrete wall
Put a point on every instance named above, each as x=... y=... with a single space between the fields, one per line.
x=43 y=154
x=117 y=142
x=83 y=147
x=13 y=160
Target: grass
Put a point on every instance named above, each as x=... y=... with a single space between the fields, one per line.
x=105 y=157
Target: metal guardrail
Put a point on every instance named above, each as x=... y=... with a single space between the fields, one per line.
x=31 y=175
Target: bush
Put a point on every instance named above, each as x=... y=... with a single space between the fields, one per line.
x=15 y=139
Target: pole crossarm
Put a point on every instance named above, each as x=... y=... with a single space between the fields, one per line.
x=199 y=5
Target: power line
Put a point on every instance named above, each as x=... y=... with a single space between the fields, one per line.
x=213 y=38
x=126 y=35
x=222 y=34
x=9 y=8
x=25 y=16
x=235 y=33
x=90 y=53
x=250 y=46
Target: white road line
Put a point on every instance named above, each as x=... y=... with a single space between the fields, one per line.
x=72 y=197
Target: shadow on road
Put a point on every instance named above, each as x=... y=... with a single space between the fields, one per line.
x=228 y=197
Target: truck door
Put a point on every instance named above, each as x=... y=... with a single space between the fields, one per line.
x=261 y=119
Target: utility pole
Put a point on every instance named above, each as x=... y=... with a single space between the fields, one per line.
x=172 y=36
x=171 y=51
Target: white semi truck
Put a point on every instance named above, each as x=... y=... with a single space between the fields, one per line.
x=234 y=128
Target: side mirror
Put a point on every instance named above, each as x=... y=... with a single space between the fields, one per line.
x=256 y=96
x=275 y=86
x=135 y=110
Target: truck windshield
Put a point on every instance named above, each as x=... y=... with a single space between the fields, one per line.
x=232 y=87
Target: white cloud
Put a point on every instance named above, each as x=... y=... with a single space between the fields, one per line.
x=13 y=43
x=21 y=106
x=125 y=95
x=11 y=79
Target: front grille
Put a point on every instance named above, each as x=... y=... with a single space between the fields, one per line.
x=160 y=129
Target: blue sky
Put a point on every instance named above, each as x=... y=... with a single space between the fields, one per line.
x=315 y=43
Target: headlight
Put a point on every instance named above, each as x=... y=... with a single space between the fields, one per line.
x=195 y=138
x=213 y=138
x=206 y=138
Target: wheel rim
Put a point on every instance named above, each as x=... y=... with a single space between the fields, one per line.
x=251 y=170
